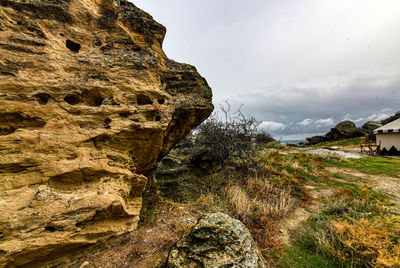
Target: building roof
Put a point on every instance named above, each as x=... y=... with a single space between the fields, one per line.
x=392 y=127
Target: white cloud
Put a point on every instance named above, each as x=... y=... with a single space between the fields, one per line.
x=306 y=122
x=352 y=70
x=272 y=126
x=361 y=119
x=377 y=117
x=383 y=114
x=349 y=117
x=324 y=122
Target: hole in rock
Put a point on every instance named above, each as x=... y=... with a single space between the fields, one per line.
x=161 y=101
x=125 y=114
x=158 y=118
x=144 y=100
x=97 y=101
x=42 y=98
x=72 y=99
x=107 y=122
x=71 y=45
x=50 y=228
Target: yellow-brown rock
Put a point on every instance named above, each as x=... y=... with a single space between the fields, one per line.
x=88 y=103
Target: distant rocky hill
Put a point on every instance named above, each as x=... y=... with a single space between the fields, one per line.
x=347 y=130
x=88 y=103
x=390 y=119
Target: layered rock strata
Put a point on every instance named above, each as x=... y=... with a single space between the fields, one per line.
x=88 y=103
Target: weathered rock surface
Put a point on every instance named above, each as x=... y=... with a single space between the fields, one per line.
x=88 y=103
x=176 y=181
x=370 y=126
x=343 y=130
x=216 y=241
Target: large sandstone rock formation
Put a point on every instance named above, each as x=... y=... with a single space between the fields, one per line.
x=88 y=103
x=217 y=240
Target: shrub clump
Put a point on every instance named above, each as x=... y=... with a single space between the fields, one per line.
x=228 y=138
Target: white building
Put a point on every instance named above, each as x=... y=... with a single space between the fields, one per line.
x=388 y=138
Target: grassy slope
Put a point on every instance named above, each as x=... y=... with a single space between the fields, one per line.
x=370 y=165
x=351 y=201
x=354 y=142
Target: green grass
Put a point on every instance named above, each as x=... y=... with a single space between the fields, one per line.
x=370 y=165
x=341 y=143
x=306 y=249
x=300 y=257
x=355 y=190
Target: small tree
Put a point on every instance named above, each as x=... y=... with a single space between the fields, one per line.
x=228 y=136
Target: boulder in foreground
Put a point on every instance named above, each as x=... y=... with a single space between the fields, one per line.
x=216 y=241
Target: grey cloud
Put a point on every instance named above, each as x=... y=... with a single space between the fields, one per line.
x=290 y=60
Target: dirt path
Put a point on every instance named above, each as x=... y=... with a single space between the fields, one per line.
x=384 y=184
x=301 y=215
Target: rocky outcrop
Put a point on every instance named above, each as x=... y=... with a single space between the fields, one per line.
x=370 y=126
x=176 y=181
x=315 y=140
x=216 y=241
x=390 y=119
x=88 y=103
x=343 y=130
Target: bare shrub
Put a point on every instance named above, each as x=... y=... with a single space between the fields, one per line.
x=229 y=137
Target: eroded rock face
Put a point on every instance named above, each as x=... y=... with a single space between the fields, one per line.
x=88 y=103
x=217 y=240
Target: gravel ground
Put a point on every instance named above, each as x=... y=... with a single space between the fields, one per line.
x=326 y=152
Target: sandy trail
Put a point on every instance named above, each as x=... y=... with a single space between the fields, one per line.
x=385 y=184
x=301 y=215
x=381 y=183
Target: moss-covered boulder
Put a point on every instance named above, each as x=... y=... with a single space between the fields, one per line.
x=217 y=240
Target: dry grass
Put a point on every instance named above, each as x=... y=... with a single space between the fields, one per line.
x=243 y=207
x=367 y=242
x=269 y=198
x=149 y=244
x=208 y=202
x=256 y=214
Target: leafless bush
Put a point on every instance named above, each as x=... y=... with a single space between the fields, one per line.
x=228 y=136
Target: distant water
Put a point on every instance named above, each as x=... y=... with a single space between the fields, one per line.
x=291 y=141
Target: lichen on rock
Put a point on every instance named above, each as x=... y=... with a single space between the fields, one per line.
x=217 y=240
x=88 y=103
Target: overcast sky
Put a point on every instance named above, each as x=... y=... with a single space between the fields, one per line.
x=299 y=66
